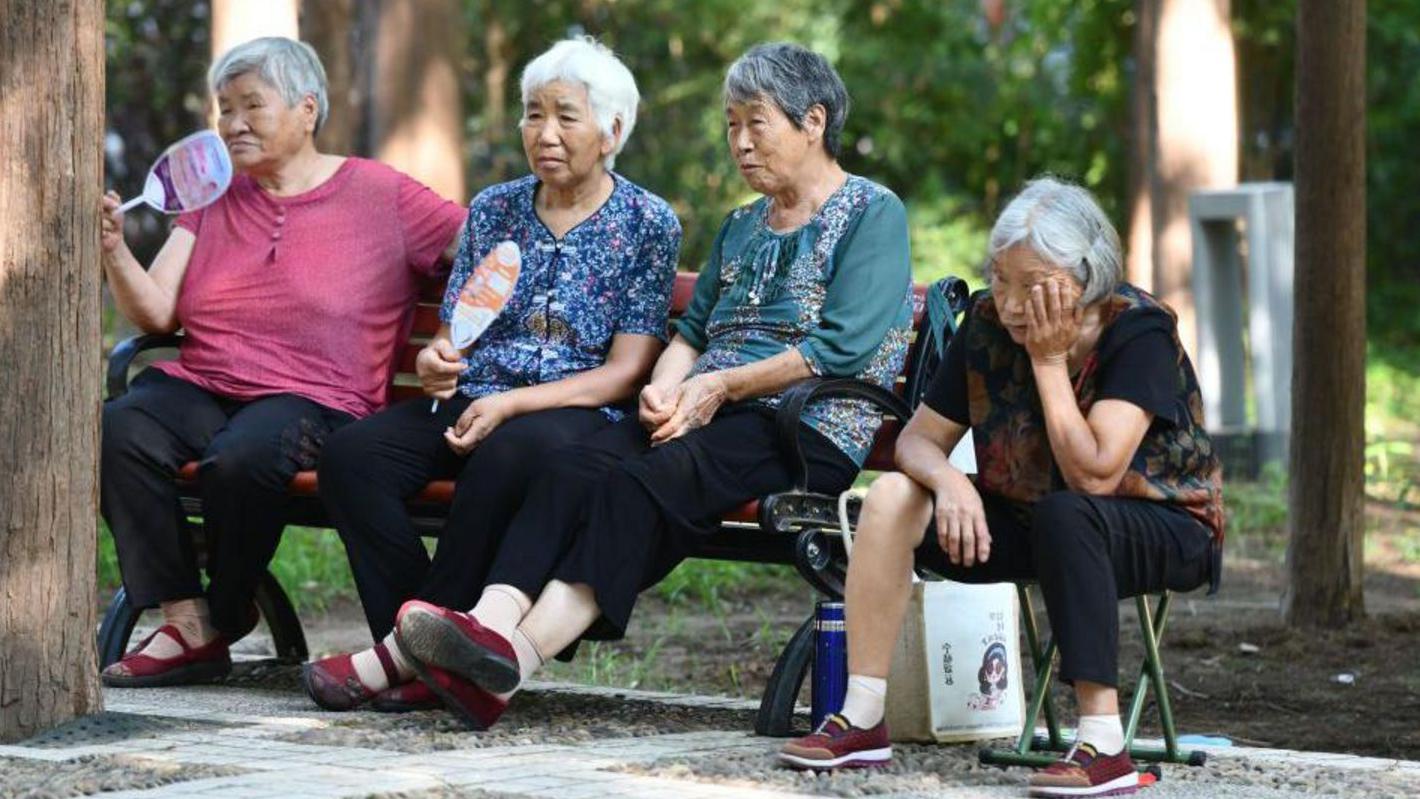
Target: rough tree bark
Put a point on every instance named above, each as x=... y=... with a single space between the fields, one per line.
x=1196 y=141
x=416 y=109
x=1329 y=324
x=51 y=174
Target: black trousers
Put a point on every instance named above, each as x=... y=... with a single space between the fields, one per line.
x=247 y=454
x=619 y=515
x=1086 y=552
x=371 y=467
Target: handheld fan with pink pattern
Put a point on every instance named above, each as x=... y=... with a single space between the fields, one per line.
x=483 y=296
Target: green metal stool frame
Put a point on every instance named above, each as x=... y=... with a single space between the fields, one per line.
x=1034 y=750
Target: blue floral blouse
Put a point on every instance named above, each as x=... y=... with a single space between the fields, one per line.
x=838 y=289
x=610 y=274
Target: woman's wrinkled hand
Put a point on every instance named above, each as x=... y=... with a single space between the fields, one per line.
x=438 y=366
x=699 y=398
x=1053 y=317
x=111 y=223
x=478 y=420
x=961 y=522
x=657 y=405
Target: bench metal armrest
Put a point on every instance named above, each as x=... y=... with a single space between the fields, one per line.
x=791 y=411
x=121 y=359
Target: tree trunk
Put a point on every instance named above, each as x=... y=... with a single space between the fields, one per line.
x=1143 y=119
x=51 y=174
x=237 y=21
x=1329 y=328
x=329 y=26
x=416 y=109
x=1196 y=147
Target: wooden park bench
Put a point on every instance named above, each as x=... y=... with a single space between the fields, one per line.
x=796 y=528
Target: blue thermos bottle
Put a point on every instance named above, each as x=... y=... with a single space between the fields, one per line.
x=830 y=661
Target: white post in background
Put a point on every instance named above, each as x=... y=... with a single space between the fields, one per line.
x=1219 y=277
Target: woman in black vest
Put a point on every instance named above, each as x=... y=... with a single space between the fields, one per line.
x=1095 y=478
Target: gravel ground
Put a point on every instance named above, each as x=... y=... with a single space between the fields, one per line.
x=42 y=779
x=927 y=770
x=533 y=718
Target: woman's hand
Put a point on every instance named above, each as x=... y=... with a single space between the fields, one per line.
x=111 y=224
x=961 y=521
x=699 y=398
x=657 y=405
x=1053 y=317
x=439 y=365
x=480 y=418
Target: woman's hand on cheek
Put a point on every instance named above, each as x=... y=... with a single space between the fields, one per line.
x=1053 y=316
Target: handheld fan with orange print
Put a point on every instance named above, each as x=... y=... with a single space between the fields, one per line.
x=483 y=296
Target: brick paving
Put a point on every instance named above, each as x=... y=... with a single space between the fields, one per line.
x=251 y=730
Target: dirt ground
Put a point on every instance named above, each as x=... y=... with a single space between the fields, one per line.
x=1234 y=669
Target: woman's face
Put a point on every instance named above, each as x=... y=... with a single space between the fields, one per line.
x=563 y=142
x=766 y=146
x=260 y=130
x=1013 y=274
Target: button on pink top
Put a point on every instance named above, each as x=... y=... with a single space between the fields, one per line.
x=309 y=295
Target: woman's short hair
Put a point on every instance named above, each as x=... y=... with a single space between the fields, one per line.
x=795 y=79
x=289 y=66
x=1064 y=226
x=611 y=90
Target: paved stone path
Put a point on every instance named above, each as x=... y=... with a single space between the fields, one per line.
x=254 y=732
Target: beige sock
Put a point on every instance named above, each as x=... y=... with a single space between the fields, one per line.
x=501 y=608
x=530 y=658
x=372 y=673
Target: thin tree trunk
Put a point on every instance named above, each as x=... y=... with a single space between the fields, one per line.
x=329 y=26
x=237 y=21
x=51 y=174
x=416 y=109
x=1144 y=118
x=1324 y=564
x=1195 y=91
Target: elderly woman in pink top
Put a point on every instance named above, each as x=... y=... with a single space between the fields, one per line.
x=293 y=291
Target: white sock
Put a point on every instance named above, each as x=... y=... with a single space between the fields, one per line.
x=864 y=702
x=372 y=673
x=1105 y=733
x=530 y=659
x=500 y=608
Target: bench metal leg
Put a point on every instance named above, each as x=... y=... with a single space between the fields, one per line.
x=1033 y=750
x=116 y=628
x=287 y=636
x=781 y=693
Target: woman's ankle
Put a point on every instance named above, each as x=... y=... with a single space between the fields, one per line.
x=192 y=618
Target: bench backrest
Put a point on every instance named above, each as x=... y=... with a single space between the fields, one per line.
x=426 y=324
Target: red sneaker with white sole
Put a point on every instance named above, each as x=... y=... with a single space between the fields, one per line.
x=838 y=744
x=1083 y=771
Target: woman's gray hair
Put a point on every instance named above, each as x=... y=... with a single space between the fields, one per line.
x=795 y=79
x=290 y=67
x=611 y=89
x=1064 y=226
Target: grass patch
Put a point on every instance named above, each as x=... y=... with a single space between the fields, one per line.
x=310 y=563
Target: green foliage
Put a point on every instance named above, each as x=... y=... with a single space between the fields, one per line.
x=708 y=584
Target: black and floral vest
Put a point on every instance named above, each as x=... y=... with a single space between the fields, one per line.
x=1175 y=463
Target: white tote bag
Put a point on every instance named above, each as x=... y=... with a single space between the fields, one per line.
x=956 y=670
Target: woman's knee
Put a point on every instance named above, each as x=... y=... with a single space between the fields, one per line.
x=897 y=509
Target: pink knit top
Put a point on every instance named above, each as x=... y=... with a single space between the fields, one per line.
x=309 y=295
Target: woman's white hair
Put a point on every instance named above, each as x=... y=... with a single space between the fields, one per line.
x=1064 y=226
x=611 y=90
x=290 y=67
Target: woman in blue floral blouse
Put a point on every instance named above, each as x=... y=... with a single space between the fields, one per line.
x=564 y=360
x=811 y=279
